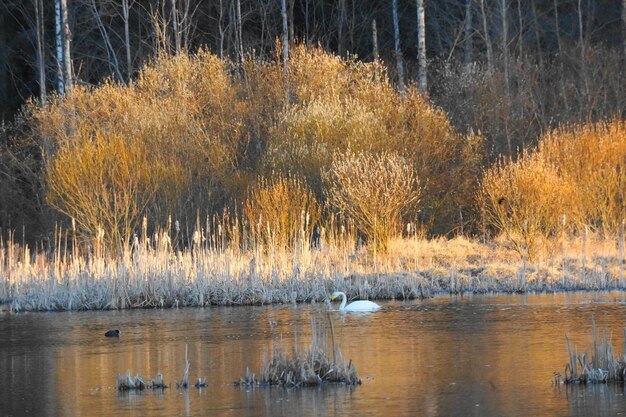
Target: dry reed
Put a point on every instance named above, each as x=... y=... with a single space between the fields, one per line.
x=604 y=366
x=315 y=365
x=156 y=272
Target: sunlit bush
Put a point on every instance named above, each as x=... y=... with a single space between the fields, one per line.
x=342 y=104
x=104 y=184
x=377 y=191
x=210 y=126
x=575 y=179
x=281 y=211
x=529 y=202
x=184 y=112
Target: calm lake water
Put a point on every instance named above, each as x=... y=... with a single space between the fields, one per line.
x=490 y=355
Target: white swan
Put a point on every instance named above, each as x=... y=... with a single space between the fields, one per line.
x=361 y=305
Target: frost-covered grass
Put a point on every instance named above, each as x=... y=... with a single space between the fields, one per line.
x=600 y=367
x=158 y=275
x=312 y=365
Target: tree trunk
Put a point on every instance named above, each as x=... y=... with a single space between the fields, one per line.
x=505 y=46
x=374 y=40
x=67 y=39
x=487 y=37
x=624 y=26
x=583 y=59
x=58 y=34
x=307 y=39
x=292 y=35
x=221 y=30
x=396 y=38
x=421 y=49
x=505 y=62
x=125 y=15
x=239 y=31
x=175 y=28
x=41 y=66
x=537 y=36
x=283 y=12
x=520 y=41
x=557 y=27
x=468 y=46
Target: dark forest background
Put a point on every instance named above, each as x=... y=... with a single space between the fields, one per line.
x=509 y=69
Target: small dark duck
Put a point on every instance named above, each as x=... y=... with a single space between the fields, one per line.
x=113 y=333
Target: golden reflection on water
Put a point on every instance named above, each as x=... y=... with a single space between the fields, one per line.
x=478 y=355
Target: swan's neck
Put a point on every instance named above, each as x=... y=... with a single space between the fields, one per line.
x=343 y=301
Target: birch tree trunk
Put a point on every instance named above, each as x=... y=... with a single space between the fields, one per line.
x=125 y=15
x=468 y=45
x=67 y=39
x=239 y=31
x=374 y=40
x=396 y=38
x=175 y=27
x=487 y=37
x=58 y=34
x=421 y=48
x=505 y=45
x=41 y=66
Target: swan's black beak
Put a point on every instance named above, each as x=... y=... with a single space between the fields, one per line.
x=332 y=298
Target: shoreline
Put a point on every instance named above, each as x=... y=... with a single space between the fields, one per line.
x=380 y=287
x=413 y=269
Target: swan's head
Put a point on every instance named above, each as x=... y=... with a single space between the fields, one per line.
x=336 y=294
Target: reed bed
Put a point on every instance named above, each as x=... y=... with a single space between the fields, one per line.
x=157 y=272
x=315 y=365
x=604 y=366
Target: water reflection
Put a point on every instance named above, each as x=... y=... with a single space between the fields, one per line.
x=477 y=355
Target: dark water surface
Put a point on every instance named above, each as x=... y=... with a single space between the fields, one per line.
x=488 y=355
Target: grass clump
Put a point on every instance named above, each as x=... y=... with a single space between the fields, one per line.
x=604 y=366
x=126 y=382
x=316 y=365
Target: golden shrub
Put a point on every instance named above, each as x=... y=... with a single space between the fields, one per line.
x=576 y=178
x=281 y=211
x=342 y=104
x=377 y=191
x=209 y=126
x=528 y=201
x=185 y=112
x=104 y=184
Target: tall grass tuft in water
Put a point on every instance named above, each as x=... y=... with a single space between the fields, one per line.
x=126 y=382
x=315 y=365
x=604 y=366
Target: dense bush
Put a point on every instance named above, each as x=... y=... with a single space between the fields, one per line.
x=377 y=191
x=281 y=211
x=192 y=132
x=575 y=179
